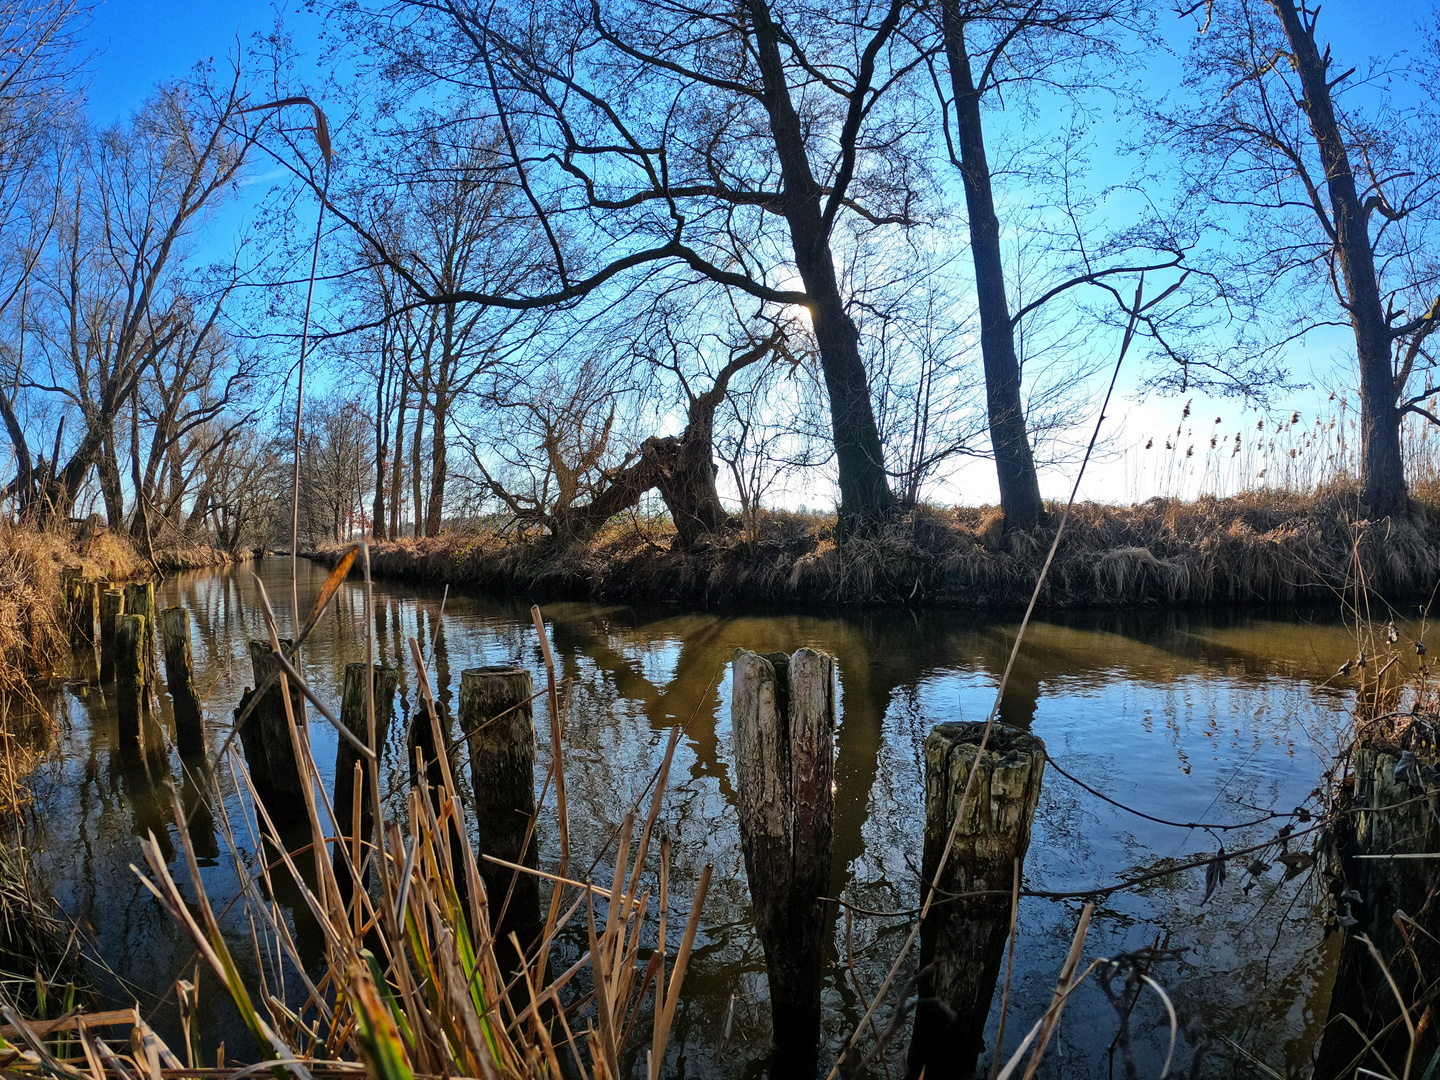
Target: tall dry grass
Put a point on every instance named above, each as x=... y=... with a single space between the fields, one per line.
x=1260 y=546
x=34 y=640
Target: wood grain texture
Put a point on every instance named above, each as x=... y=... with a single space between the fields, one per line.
x=962 y=942
x=783 y=719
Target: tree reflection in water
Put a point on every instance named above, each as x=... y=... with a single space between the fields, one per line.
x=1185 y=714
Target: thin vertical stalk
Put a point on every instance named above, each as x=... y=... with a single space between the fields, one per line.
x=299 y=407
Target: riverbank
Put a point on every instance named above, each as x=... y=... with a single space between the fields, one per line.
x=34 y=637
x=1259 y=547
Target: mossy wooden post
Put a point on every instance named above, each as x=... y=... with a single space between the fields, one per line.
x=140 y=600
x=266 y=738
x=131 y=697
x=783 y=714
x=112 y=606
x=1384 y=815
x=352 y=715
x=180 y=680
x=497 y=720
x=85 y=614
x=962 y=942
x=70 y=578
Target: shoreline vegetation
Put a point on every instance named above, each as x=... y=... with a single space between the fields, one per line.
x=34 y=635
x=1255 y=548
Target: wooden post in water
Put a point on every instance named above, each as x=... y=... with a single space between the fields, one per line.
x=352 y=715
x=140 y=600
x=132 y=698
x=497 y=720
x=783 y=714
x=180 y=679
x=266 y=738
x=962 y=942
x=112 y=606
x=1389 y=813
x=85 y=614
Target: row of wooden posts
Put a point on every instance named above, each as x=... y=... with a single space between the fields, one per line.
x=783 y=719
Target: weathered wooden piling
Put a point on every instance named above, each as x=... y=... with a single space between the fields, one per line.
x=180 y=680
x=140 y=600
x=112 y=606
x=1388 y=816
x=131 y=695
x=352 y=715
x=783 y=714
x=962 y=941
x=265 y=737
x=85 y=614
x=497 y=720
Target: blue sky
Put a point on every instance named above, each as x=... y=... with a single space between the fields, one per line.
x=140 y=42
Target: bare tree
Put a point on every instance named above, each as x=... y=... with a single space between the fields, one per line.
x=38 y=64
x=336 y=453
x=1333 y=186
x=114 y=296
x=691 y=142
x=551 y=452
x=994 y=53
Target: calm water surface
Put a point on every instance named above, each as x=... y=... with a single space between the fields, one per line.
x=1185 y=716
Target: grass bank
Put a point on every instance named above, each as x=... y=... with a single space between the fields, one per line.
x=34 y=637
x=1259 y=547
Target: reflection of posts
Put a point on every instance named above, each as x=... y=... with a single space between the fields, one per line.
x=783 y=714
x=1392 y=900
x=962 y=942
x=348 y=810
x=497 y=720
x=130 y=693
x=427 y=775
x=266 y=738
x=112 y=606
x=180 y=680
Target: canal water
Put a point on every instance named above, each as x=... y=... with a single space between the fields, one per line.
x=1185 y=716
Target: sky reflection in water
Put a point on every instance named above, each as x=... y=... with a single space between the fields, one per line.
x=1186 y=716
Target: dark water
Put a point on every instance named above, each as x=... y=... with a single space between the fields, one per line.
x=1185 y=716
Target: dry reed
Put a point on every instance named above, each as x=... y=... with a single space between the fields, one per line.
x=1259 y=547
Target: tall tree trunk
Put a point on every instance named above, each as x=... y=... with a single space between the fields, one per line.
x=1382 y=470
x=397 y=471
x=1014 y=463
x=377 y=509
x=416 y=478
x=109 y=469
x=438 y=470
x=865 y=494
x=24 y=469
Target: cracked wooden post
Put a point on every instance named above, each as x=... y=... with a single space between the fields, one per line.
x=1389 y=805
x=783 y=714
x=140 y=600
x=180 y=680
x=132 y=699
x=266 y=738
x=348 y=759
x=497 y=721
x=962 y=942
x=112 y=606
